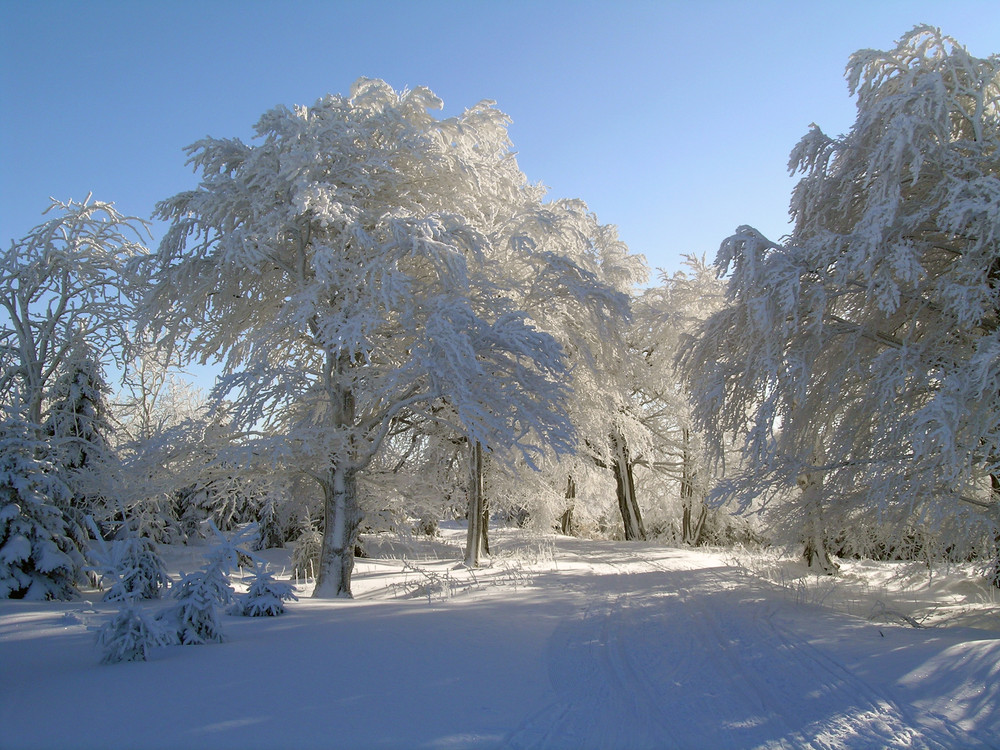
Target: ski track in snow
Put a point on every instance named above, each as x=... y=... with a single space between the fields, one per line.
x=601 y=645
x=692 y=669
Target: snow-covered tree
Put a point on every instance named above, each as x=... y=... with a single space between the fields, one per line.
x=70 y=278
x=861 y=356
x=130 y=567
x=671 y=461
x=200 y=594
x=336 y=268
x=78 y=427
x=590 y=319
x=575 y=284
x=37 y=558
x=131 y=634
x=265 y=596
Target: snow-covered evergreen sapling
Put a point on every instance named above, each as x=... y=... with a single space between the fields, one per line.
x=131 y=564
x=265 y=597
x=199 y=594
x=37 y=559
x=131 y=633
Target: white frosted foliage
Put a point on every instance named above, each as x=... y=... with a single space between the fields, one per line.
x=860 y=357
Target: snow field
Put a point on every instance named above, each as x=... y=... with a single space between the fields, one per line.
x=560 y=643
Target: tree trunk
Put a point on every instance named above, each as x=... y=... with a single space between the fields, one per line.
x=476 y=539
x=995 y=572
x=342 y=517
x=625 y=488
x=816 y=553
x=566 y=520
x=341 y=512
x=690 y=532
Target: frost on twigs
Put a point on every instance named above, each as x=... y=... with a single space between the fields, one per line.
x=74 y=273
x=305 y=554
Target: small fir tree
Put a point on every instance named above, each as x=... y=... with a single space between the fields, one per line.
x=37 y=559
x=131 y=634
x=131 y=564
x=269 y=525
x=266 y=596
x=78 y=425
x=200 y=594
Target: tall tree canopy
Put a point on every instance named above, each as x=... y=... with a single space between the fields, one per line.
x=344 y=269
x=70 y=279
x=861 y=356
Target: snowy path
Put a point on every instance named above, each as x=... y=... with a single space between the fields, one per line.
x=607 y=646
x=678 y=658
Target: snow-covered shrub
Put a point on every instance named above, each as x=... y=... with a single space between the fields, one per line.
x=37 y=558
x=131 y=565
x=305 y=553
x=200 y=594
x=265 y=596
x=131 y=633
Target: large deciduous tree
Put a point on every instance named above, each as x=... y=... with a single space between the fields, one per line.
x=862 y=355
x=337 y=268
x=670 y=454
x=70 y=279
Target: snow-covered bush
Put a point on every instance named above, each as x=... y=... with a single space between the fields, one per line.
x=200 y=594
x=131 y=633
x=265 y=596
x=131 y=565
x=37 y=558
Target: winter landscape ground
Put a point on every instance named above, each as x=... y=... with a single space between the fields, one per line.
x=559 y=642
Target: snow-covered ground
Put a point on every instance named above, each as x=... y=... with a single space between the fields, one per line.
x=561 y=643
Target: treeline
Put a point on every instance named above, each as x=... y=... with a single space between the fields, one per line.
x=406 y=329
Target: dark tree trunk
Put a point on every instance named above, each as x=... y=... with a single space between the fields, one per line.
x=566 y=520
x=625 y=488
x=476 y=539
x=691 y=529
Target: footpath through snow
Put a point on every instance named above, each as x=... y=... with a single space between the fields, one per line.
x=569 y=644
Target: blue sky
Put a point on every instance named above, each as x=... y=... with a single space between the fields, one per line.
x=673 y=120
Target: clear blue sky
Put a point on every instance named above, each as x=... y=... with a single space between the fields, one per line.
x=673 y=120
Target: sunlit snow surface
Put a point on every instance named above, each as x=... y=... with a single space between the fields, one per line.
x=560 y=643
